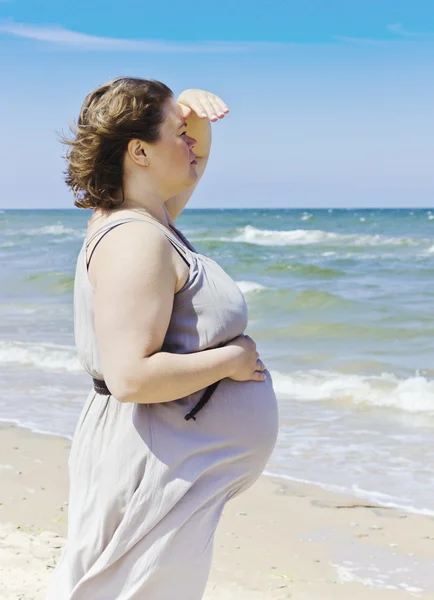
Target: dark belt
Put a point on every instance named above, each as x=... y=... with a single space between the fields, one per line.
x=100 y=386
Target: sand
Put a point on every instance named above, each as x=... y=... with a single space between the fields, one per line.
x=277 y=541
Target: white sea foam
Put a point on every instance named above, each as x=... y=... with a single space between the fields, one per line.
x=58 y=229
x=51 y=357
x=55 y=230
x=295 y=237
x=347 y=575
x=248 y=287
x=384 y=500
x=384 y=570
x=413 y=395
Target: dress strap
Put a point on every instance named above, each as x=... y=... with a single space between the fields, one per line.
x=102 y=229
x=174 y=241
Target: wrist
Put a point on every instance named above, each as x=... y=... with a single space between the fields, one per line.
x=230 y=356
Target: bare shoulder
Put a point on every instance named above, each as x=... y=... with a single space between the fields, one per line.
x=129 y=249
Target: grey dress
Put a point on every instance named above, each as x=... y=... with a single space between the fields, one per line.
x=147 y=487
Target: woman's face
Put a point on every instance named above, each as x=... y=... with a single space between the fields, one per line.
x=171 y=159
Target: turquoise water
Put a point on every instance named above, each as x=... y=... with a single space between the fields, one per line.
x=340 y=304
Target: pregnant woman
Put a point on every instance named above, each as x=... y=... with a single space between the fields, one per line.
x=182 y=415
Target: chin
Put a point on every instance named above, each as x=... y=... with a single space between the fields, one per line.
x=193 y=174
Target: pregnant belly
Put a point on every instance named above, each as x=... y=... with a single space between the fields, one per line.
x=247 y=411
x=235 y=432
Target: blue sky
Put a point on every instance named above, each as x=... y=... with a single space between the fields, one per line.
x=331 y=100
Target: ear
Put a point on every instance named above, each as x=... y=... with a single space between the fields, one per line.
x=137 y=152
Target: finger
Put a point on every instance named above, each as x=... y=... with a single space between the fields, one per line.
x=217 y=108
x=258 y=376
x=247 y=337
x=208 y=106
x=260 y=365
x=223 y=106
x=199 y=109
x=257 y=355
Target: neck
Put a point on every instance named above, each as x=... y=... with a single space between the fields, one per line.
x=145 y=202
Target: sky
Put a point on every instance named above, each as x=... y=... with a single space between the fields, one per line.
x=331 y=100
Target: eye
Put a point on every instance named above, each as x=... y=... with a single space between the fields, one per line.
x=183 y=133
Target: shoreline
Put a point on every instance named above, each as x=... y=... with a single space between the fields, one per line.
x=281 y=539
x=362 y=495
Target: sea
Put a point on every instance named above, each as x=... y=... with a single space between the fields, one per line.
x=341 y=305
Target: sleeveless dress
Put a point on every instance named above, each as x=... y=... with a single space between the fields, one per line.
x=147 y=487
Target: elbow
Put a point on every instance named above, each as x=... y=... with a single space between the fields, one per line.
x=124 y=388
x=127 y=388
x=135 y=395
x=136 y=383
x=123 y=394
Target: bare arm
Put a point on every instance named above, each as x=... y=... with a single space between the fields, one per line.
x=135 y=279
x=200 y=108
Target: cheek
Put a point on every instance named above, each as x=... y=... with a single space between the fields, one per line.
x=175 y=156
x=182 y=152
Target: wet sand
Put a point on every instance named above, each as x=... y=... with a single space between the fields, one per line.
x=277 y=541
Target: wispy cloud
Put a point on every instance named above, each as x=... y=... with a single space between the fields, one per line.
x=399 y=30
x=402 y=35
x=56 y=34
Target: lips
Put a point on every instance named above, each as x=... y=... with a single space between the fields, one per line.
x=193 y=161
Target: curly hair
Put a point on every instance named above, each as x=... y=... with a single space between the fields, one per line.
x=111 y=116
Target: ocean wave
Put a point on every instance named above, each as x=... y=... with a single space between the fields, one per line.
x=314 y=299
x=303 y=269
x=51 y=281
x=51 y=357
x=308 y=301
x=297 y=237
x=55 y=230
x=329 y=330
x=248 y=287
x=385 y=500
x=412 y=395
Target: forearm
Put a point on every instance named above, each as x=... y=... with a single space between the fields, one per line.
x=199 y=129
x=165 y=377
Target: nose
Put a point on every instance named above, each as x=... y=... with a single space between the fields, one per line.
x=191 y=141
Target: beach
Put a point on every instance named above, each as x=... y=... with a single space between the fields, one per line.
x=340 y=306
x=279 y=540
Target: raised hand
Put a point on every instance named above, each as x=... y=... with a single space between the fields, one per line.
x=204 y=104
